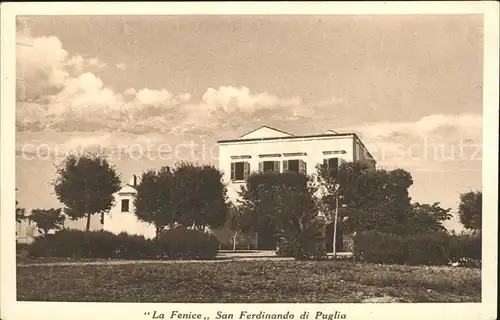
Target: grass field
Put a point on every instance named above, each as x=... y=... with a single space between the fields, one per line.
x=247 y=281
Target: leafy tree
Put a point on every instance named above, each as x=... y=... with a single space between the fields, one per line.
x=368 y=199
x=284 y=202
x=426 y=218
x=20 y=212
x=85 y=185
x=470 y=209
x=236 y=223
x=47 y=219
x=199 y=196
x=153 y=200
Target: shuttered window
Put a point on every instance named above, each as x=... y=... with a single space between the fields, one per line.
x=302 y=167
x=296 y=165
x=240 y=171
x=277 y=166
x=270 y=166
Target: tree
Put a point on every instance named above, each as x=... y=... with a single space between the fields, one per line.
x=428 y=218
x=199 y=196
x=20 y=212
x=284 y=203
x=153 y=200
x=47 y=219
x=470 y=209
x=368 y=199
x=237 y=224
x=85 y=185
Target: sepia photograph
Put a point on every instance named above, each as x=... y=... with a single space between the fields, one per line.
x=250 y=158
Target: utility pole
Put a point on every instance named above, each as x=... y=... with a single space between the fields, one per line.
x=335 y=220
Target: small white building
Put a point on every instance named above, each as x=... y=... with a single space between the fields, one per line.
x=120 y=218
x=270 y=149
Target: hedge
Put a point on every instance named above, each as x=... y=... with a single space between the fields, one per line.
x=315 y=251
x=172 y=244
x=433 y=248
x=466 y=249
x=181 y=243
x=429 y=249
x=378 y=247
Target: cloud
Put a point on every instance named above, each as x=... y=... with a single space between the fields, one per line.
x=233 y=99
x=160 y=97
x=95 y=62
x=61 y=91
x=58 y=90
x=434 y=142
x=43 y=66
x=130 y=92
x=121 y=66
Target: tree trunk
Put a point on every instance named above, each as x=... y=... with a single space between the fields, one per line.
x=88 y=222
x=299 y=255
x=157 y=230
x=234 y=240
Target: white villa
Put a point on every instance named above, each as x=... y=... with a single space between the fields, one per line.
x=263 y=149
x=270 y=149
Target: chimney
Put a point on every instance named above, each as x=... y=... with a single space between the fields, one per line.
x=133 y=181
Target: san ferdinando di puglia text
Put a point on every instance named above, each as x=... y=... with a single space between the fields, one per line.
x=245 y=315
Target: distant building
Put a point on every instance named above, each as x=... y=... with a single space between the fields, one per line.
x=269 y=149
x=120 y=218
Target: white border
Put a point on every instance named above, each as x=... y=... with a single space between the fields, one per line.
x=10 y=309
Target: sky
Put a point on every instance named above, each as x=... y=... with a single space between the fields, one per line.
x=153 y=90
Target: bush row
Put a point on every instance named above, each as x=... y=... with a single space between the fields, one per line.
x=436 y=248
x=314 y=251
x=176 y=243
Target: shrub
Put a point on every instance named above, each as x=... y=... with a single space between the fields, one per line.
x=134 y=247
x=466 y=249
x=176 y=243
x=433 y=248
x=378 y=247
x=429 y=249
x=181 y=243
x=75 y=244
x=92 y=244
x=285 y=249
x=313 y=250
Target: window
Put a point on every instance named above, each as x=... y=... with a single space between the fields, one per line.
x=125 y=205
x=295 y=165
x=240 y=171
x=332 y=164
x=269 y=166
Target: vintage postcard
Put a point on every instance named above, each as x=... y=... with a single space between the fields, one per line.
x=249 y=161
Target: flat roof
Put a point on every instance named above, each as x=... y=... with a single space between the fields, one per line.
x=301 y=137
x=290 y=137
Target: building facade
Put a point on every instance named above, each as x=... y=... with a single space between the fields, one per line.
x=269 y=149
x=121 y=217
